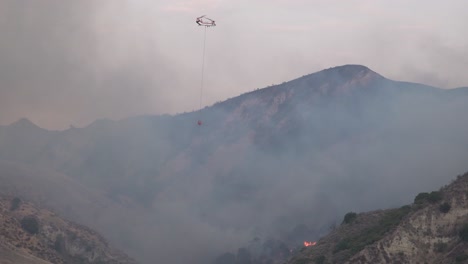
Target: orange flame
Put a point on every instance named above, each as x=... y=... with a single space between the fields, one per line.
x=308 y=244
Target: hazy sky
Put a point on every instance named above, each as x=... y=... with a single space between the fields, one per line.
x=70 y=62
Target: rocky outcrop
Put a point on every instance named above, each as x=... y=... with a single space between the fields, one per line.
x=433 y=230
x=429 y=235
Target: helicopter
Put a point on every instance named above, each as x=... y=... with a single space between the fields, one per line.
x=204 y=21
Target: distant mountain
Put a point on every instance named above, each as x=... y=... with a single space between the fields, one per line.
x=301 y=153
x=433 y=229
x=463 y=91
x=33 y=235
x=23 y=141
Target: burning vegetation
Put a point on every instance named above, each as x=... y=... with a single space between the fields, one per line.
x=308 y=244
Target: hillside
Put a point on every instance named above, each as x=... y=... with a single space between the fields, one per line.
x=68 y=198
x=261 y=165
x=31 y=235
x=431 y=230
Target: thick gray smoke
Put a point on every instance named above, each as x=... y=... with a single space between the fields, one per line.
x=74 y=62
x=282 y=163
x=264 y=165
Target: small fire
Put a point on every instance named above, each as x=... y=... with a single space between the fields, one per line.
x=308 y=244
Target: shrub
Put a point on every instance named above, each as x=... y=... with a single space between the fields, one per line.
x=59 y=243
x=302 y=261
x=30 y=224
x=440 y=247
x=445 y=207
x=15 y=204
x=421 y=198
x=461 y=258
x=342 y=245
x=349 y=217
x=434 y=197
x=320 y=260
x=463 y=233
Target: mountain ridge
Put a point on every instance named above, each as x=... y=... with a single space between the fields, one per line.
x=330 y=143
x=350 y=74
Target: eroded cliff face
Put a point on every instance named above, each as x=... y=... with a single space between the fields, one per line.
x=429 y=235
x=41 y=236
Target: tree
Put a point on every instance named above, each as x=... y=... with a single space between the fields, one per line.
x=445 y=207
x=434 y=197
x=421 y=198
x=59 y=243
x=15 y=204
x=463 y=233
x=320 y=260
x=30 y=224
x=349 y=217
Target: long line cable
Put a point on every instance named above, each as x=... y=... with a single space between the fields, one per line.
x=202 y=72
x=206 y=22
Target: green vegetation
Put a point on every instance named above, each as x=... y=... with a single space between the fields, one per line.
x=389 y=220
x=461 y=258
x=349 y=217
x=463 y=233
x=71 y=235
x=59 y=243
x=320 y=260
x=302 y=261
x=342 y=245
x=421 y=198
x=445 y=207
x=15 y=204
x=440 y=247
x=432 y=197
x=30 y=224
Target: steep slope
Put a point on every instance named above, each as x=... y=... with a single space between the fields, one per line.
x=431 y=230
x=51 y=189
x=32 y=235
x=341 y=138
x=10 y=256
